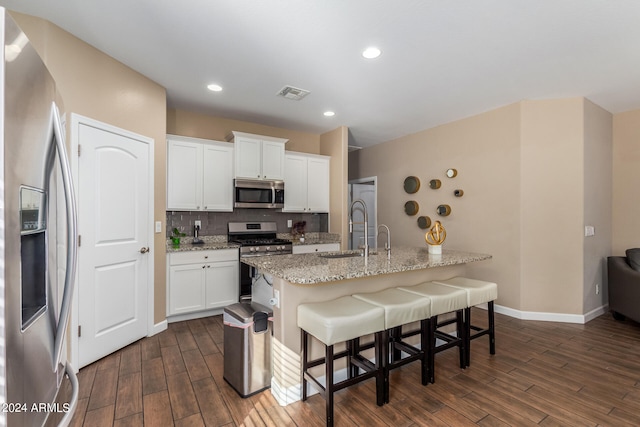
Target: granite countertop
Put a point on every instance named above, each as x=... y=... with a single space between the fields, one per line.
x=309 y=269
x=210 y=243
x=220 y=241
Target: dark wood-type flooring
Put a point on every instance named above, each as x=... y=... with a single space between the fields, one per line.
x=546 y=374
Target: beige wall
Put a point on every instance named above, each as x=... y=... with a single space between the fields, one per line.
x=485 y=151
x=335 y=144
x=598 y=178
x=196 y=125
x=626 y=181
x=95 y=85
x=522 y=169
x=552 y=196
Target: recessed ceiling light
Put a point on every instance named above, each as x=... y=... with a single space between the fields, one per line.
x=371 y=52
x=329 y=113
x=214 y=88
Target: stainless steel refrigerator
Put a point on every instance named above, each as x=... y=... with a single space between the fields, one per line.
x=37 y=239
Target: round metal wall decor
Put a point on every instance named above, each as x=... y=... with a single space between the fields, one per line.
x=411 y=207
x=424 y=222
x=458 y=193
x=435 y=184
x=411 y=184
x=443 y=210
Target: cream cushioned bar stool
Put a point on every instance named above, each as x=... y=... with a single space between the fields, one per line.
x=444 y=299
x=401 y=308
x=341 y=320
x=478 y=292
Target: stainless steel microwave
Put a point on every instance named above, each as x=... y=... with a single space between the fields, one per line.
x=254 y=193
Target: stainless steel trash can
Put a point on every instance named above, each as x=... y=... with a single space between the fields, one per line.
x=247 y=347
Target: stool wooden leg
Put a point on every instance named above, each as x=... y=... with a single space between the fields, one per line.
x=462 y=335
x=396 y=336
x=329 y=387
x=352 y=350
x=467 y=330
x=433 y=322
x=382 y=368
x=492 y=330
x=305 y=353
x=425 y=325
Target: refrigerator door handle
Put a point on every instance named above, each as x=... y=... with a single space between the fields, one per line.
x=72 y=233
x=75 y=391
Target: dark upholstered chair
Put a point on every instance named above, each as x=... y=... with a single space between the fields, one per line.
x=624 y=288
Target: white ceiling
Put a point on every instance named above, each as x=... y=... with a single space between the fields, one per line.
x=441 y=60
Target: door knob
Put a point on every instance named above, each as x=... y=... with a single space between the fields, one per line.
x=144 y=250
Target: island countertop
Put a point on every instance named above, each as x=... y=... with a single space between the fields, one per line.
x=311 y=269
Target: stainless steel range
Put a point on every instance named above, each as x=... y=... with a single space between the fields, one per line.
x=255 y=239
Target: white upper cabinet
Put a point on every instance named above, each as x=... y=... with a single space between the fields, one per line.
x=257 y=156
x=306 y=183
x=184 y=175
x=199 y=174
x=217 y=174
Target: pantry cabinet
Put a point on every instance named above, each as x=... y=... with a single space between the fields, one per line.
x=202 y=280
x=258 y=156
x=199 y=175
x=306 y=181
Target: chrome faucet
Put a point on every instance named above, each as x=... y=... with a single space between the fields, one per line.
x=366 y=225
x=387 y=244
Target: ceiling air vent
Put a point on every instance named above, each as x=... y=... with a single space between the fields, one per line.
x=293 y=93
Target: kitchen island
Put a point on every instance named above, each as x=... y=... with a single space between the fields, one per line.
x=303 y=278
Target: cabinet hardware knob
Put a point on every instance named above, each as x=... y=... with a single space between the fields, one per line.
x=144 y=250
x=203 y=266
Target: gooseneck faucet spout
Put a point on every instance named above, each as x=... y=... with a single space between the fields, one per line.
x=365 y=223
x=387 y=244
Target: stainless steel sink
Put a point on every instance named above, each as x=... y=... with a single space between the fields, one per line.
x=348 y=255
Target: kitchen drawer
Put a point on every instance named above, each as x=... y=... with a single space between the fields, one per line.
x=320 y=247
x=197 y=257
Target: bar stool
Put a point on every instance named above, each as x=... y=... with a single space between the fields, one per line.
x=444 y=299
x=401 y=308
x=478 y=292
x=341 y=320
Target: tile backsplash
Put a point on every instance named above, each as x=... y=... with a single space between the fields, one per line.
x=215 y=223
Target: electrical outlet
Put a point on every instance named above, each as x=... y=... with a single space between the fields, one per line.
x=597 y=289
x=289 y=223
x=158 y=227
x=198 y=223
x=276 y=297
x=589 y=231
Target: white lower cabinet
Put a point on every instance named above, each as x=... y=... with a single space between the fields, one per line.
x=321 y=247
x=202 y=280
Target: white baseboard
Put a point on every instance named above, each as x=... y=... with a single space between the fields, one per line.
x=158 y=327
x=552 y=317
x=195 y=315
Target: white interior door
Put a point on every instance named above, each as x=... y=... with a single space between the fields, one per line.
x=368 y=194
x=114 y=215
